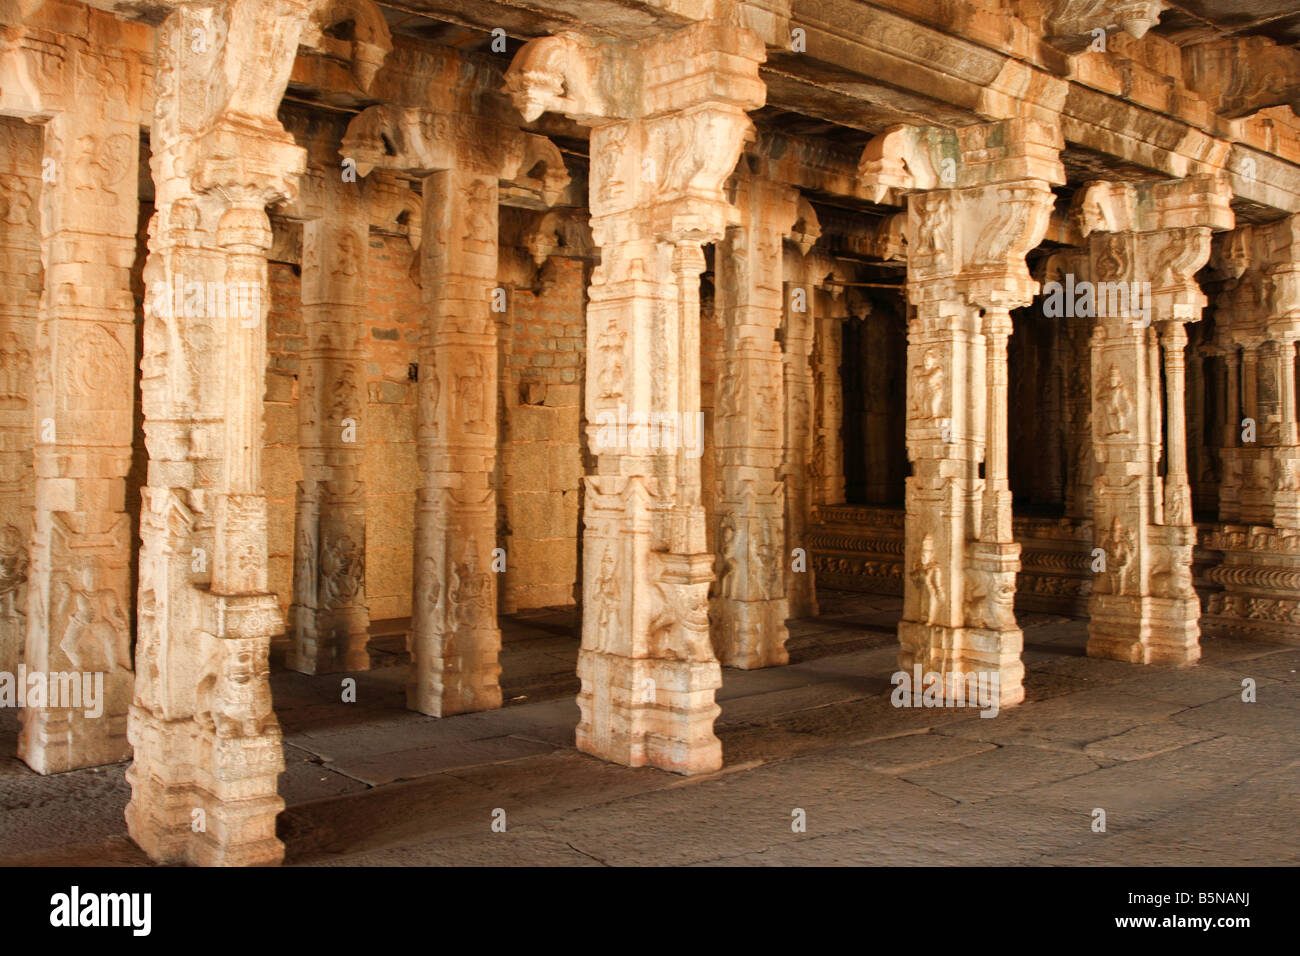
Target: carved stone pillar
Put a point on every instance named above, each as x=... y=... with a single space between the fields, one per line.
x=798 y=334
x=749 y=606
x=1149 y=239
x=1230 y=482
x=329 y=615
x=455 y=641
x=1258 y=317
x=660 y=155
x=20 y=294
x=207 y=743
x=78 y=613
x=828 y=434
x=965 y=272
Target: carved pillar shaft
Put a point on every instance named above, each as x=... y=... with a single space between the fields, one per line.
x=1143 y=608
x=20 y=292
x=455 y=641
x=1230 y=481
x=797 y=466
x=966 y=271
x=206 y=740
x=750 y=606
x=1178 y=491
x=329 y=613
x=78 y=598
x=660 y=154
x=828 y=437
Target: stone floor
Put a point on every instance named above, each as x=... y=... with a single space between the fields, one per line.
x=1187 y=773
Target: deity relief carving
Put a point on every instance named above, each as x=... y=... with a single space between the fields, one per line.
x=470 y=590
x=928 y=576
x=15 y=372
x=930 y=380
x=94 y=631
x=1121 y=551
x=608 y=594
x=95 y=370
x=933 y=223
x=101 y=164
x=16 y=205
x=470 y=391
x=342 y=571
x=1116 y=405
x=13 y=570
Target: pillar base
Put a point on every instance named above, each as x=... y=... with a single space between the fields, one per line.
x=644 y=712
x=955 y=652
x=179 y=813
x=447 y=681
x=749 y=634
x=1144 y=630
x=56 y=740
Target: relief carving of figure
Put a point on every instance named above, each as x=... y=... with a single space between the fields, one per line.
x=342 y=570
x=433 y=607
x=13 y=570
x=1116 y=404
x=470 y=590
x=607 y=591
x=930 y=380
x=469 y=393
x=927 y=575
x=95 y=631
x=234 y=696
x=1121 y=550
x=15 y=370
x=731 y=550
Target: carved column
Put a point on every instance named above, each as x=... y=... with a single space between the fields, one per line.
x=966 y=271
x=749 y=606
x=329 y=616
x=78 y=599
x=828 y=435
x=455 y=641
x=799 y=328
x=1258 y=318
x=20 y=292
x=660 y=155
x=207 y=743
x=1152 y=239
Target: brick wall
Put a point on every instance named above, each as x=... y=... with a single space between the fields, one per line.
x=544 y=343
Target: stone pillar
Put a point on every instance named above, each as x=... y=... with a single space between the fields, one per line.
x=1149 y=238
x=455 y=641
x=207 y=743
x=1258 y=317
x=798 y=334
x=828 y=434
x=749 y=606
x=1230 y=481
x=79 y=605
x=329 y=614
x=966 y=271
x=660 y=154
x=20 y=293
